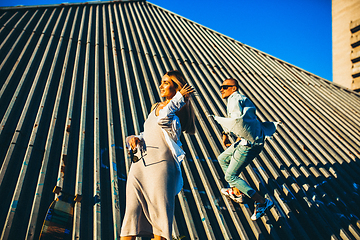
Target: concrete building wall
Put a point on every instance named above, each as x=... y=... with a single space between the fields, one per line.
x=345 y=14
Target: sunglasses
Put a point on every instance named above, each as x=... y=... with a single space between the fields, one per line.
x=226 y=86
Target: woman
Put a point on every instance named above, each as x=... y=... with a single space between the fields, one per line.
x=155 y=178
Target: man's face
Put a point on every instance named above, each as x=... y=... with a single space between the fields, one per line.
x=227 y=88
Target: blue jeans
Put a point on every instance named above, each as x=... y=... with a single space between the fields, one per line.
x=234 y=160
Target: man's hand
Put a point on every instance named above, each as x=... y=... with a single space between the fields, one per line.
x=187 y=90
x=134 y=141
x=226 y=140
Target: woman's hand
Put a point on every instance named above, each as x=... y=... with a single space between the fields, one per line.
x=187 y=90
x=134 y=141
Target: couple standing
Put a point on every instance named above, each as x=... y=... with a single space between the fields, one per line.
x=155 y=177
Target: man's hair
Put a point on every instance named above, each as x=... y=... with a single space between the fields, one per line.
x=236 y=82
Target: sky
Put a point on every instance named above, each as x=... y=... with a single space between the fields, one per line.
x=296 y=31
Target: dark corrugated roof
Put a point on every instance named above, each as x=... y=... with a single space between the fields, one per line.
x=77 y=79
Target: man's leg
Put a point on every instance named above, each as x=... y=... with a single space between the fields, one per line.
x=225 y=157
x=261 y=205
x=242 y=156
x=224 y=160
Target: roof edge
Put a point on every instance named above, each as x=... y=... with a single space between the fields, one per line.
x=66 y=4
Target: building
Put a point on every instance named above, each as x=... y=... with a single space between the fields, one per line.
x=76 y=79
x=346 y=43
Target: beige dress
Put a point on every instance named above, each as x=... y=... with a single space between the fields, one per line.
x=150 y=190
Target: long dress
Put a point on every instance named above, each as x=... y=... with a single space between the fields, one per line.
x=151 y=187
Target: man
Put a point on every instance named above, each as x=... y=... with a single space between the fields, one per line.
x=251 y=134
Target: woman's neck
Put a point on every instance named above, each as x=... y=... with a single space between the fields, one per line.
x=161 y=106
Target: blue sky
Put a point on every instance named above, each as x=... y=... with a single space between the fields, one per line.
x=296 y=31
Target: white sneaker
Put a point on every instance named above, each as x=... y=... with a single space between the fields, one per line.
x=260 y=209
x=230 y=194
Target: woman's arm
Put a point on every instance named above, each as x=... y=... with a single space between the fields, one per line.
x=167 y=114
x=167 y=118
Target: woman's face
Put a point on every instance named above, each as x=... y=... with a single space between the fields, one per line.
x=167 y=87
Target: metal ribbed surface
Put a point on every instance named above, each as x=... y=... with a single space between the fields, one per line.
x=76 y=79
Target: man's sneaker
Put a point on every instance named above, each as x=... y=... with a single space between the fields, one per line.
x=260 y=210
x=230 y=194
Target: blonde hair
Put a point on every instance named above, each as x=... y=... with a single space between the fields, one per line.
x=186 y=113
